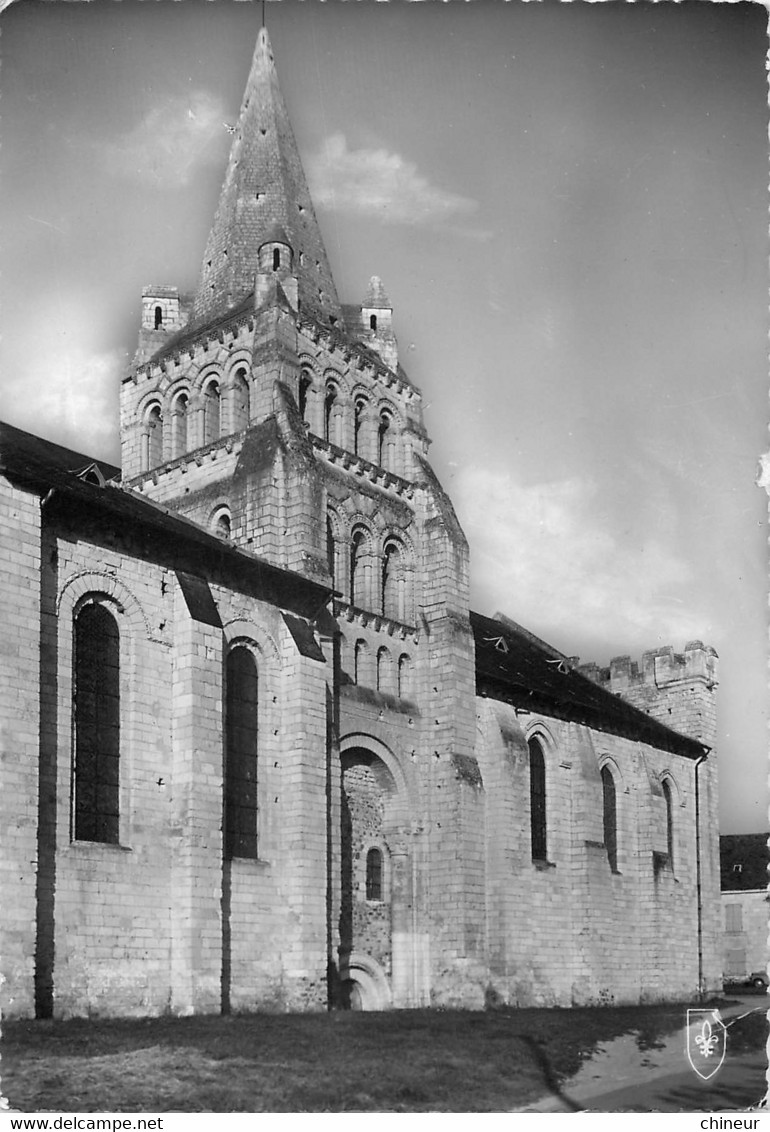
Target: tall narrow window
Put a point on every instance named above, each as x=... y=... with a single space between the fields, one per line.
x=305 y=382
x=537 y=801
x=154 y=433
x=276 y=259
x=241 y=733
x=384 y=670
x=374 y=875
x=382 y=440
x=359 y=662
x=211 y=412
x=331 y=550
x=358 y=413
x=179 y=426
x=610 y=817
x=392 y=582
x=240 y=401
x=372 y=321
x=357 y=568
x=158 y=318
x=669 y=822
x=97 y=725
x=404 y=675
x=329 y=402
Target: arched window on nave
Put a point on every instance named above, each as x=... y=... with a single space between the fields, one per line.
x=668 y=799
x=537 y=800
x=610 y=817
x=241 y=752
x=97 y=725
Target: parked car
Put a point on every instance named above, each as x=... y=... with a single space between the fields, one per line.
x=757 y=980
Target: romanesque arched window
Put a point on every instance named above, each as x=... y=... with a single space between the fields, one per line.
x=404 y=675
x=179 y=418
x=356 y=578
x=239 y=399
x=158 y=318
x=668 y=799
x=384 y=670
x=97 y=725
x=359 y=408
x=383 y=439
x=393 y=581
x=211 y=412
x=330 y=401
x=538 y=826
x=241 y=736
x=374 y=874
x=331 y=550
x=152 y=440
x=610 y=817
x=360 y=653
x=305 y=382
x=222 y=524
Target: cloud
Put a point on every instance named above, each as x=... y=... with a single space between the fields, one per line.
x=66 y=391
x=379 y=184
x=543 y=554
x=171 y=141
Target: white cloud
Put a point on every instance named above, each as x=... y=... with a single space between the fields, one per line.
x=380 y=184
x=65 y=390
x=544 y=555
x=171 y=141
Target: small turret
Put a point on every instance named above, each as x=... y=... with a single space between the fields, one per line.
x=275 y=264
x=163 y=314
x=377 y=323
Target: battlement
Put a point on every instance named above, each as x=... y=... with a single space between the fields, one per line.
x=657 y=668
x=674 y=687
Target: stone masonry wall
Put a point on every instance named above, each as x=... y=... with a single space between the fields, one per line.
x=570 y=931
x=137 y=928
x=20 y=568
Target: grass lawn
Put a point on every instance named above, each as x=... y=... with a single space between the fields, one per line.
x=402 y=1061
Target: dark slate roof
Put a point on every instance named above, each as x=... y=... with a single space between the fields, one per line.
x=52 y=471
x=743 y=860
x=514 y=666
x=31 y=456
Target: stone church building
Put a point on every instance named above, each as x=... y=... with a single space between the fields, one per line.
x=258 y=753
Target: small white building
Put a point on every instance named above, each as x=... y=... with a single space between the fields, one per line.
x=744 y=861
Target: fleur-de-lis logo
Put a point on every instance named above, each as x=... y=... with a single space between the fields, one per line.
x=706 y=1041
x=706 y=1036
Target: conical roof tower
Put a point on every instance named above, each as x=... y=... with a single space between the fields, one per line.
x=264 y=190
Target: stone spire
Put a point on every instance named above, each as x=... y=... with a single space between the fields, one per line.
x=264 y=188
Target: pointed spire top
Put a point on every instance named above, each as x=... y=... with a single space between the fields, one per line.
x=376 y=296
x=264 y=189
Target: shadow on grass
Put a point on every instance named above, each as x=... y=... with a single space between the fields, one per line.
x=401 y=1061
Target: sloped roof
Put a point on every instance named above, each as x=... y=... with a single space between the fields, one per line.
x=52 y=471
x=743 y=861
x=34 y=458
x=518 y=668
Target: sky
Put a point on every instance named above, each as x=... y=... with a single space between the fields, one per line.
x=567 y=205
